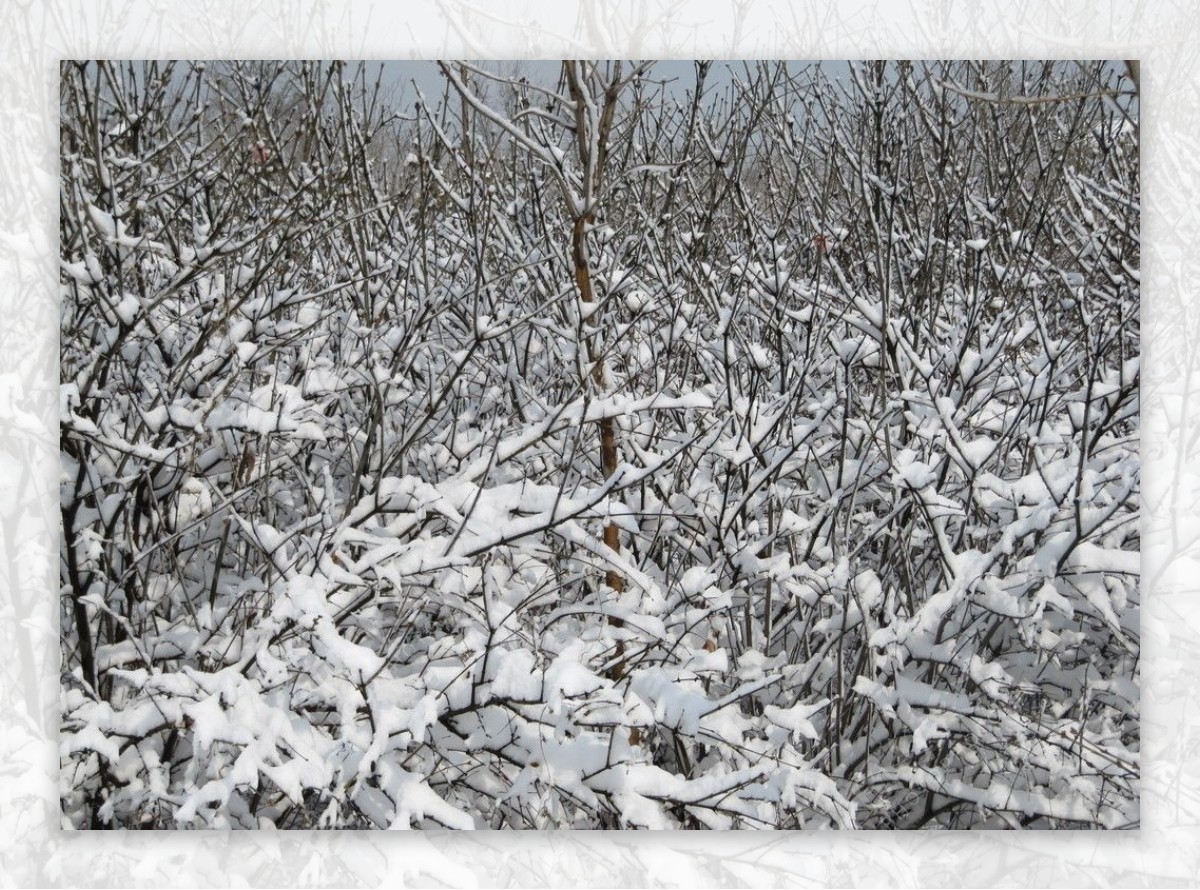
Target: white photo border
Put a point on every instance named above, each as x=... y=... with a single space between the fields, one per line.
x=35 y=36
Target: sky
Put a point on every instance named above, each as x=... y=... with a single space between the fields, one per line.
x=410 y=76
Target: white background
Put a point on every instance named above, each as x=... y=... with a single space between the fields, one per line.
x=35 y=34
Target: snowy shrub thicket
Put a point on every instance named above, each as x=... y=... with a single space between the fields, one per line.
x=761 y=453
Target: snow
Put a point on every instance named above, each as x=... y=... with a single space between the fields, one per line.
x=342 y=651
x=796 y=719
x=87 y=271
x=911 y=472
x=977 y=451
x=127 y=309
x=516 y=675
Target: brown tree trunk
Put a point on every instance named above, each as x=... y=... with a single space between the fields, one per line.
x=608 y=436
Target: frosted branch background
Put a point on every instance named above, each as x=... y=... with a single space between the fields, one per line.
x=1166 y=632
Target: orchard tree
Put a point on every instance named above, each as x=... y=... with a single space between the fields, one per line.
x=759 y=451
